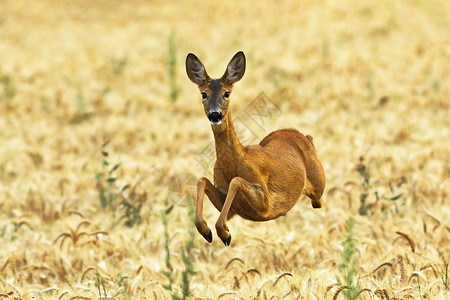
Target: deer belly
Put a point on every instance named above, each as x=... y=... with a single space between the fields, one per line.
x=241 y=207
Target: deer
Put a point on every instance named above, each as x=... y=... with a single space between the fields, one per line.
x=257 y=182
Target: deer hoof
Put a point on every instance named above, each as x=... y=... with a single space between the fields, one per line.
x=208 y=237
x=227 y=241
x=317 y=203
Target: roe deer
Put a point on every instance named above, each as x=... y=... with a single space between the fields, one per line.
x=257 y=182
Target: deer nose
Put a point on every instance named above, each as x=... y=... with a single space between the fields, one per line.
x=215 y=116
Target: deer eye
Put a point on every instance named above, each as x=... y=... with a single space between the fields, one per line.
x=204 y=96
x=226 y=94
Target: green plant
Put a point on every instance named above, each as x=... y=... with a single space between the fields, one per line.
x=444 y=271
x=118 y=64
x=365 y=176
x=186 y=255
x=370 y=88
x=435 y=85
x=186 y=252
x=172 y=67
x=103 y=294
x=121 y=284
x=106 y=180
x=14 y=230
x=9 y=90
x=348 y=268
x=113 y=196
x=80 y=101
x=367 y=189
x=133 y=205
x=169 y=272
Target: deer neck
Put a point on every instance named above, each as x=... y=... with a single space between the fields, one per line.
x=228 y=147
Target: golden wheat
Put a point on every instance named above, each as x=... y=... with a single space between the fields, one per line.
x=369 y=80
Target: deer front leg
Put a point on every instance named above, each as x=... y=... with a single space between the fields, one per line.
x=253 y=194
x=216 y=197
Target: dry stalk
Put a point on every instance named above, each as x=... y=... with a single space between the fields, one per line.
x=63 y=294
x=362 y=291
x=233 y=260
x=429 y=266
x=5 y=265
x=236 y=284
x=383 y=265
x=75 y=212
x=85 y=272
x=417 y=275
x=7 y=295
x=336 y=295
x=332 y=286
x=229 y=293
x=24 y=223
x=382 y=293
x=410 y=240
x=402 y=268
x=281 y=276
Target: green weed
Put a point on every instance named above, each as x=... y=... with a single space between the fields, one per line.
x=118 y=64
x=105 y=181
x=186 y=255
x=12 y=232
x=444 y=271
x=114 y=197
x=172 y=68
x=367 y=190
x=103 y=294
x=435 y=85
x=169 y=272
x=9 y=90
x=348 y=269
x=370 y=88
x=186 y=252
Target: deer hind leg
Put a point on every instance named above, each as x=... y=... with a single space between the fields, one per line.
x=315 y=182
x=253 y=194
x=217 y=198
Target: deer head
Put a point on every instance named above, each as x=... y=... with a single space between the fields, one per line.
x=215 y=92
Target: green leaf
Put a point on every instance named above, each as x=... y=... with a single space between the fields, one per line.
x=121 y=279
x=97 y=177
x=111 y=179
x=167 y=274
x=105 y=154
x=402 y=181
x=169 y=209
x=395 y=197
x=2 y=234
x=103 y=200
x=390 y=187
x=114 y=168
x=106 y=143
x=125 y=188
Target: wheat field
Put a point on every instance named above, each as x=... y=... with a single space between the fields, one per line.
x=369 y=80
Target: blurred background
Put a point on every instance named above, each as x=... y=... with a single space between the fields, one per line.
x=78 y=217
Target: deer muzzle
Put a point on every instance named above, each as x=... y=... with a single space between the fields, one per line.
x=215 y=117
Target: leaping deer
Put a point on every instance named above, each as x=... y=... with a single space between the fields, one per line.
x=257 y=182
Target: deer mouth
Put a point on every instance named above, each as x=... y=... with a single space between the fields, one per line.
x=215 y=123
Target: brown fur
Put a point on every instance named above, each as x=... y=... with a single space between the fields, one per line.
x=257 y=182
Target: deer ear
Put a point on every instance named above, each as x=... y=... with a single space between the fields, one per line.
x=235 y=69
x=195 y=69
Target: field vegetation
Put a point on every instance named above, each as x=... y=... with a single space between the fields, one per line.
x=103 y=135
